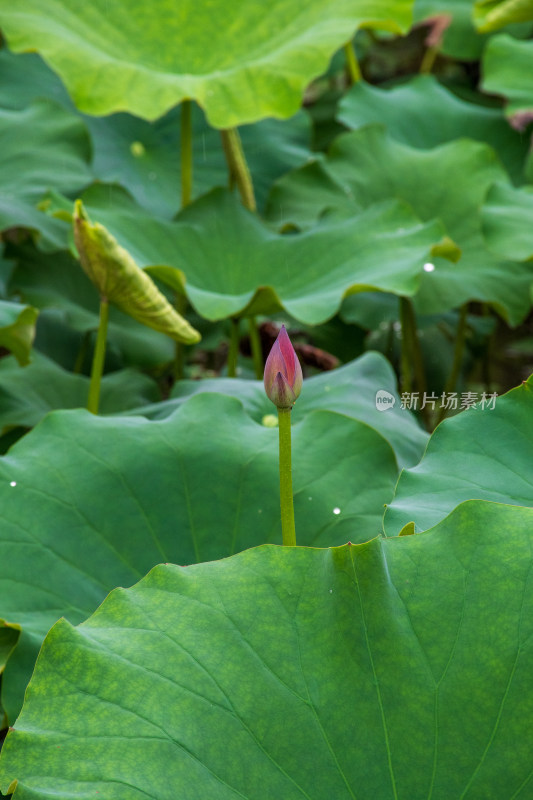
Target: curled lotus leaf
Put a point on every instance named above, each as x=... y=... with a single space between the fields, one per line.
x=491 y=15
x=119 y=279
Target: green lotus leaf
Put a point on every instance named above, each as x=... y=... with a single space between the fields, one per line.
x=26 y=395
x=367 y=166
x=240 y=63
x=507 y=72
x=490 y=15
x=507 y=221
x=296 y=672
x=91 y=503
x=236 y=266
x=68 y=319
x=17 y=329
x=119 y=280
x=43 y=147
x=461 y=40
x=350 y=390
x=422 y=113
x=483 y=453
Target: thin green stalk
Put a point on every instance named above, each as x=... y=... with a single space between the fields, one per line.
x=460 y=338
x=238 y=168
x=98 y=358
x=486 y=363
x=428 y=60
x=180 y=304
x=418 y=361
x=413 y=352
x=257 y=350
x=233 y=349
x=288 y=530
x=82 y=352
x=354 y=70
x=406 y=357
x=186 y=153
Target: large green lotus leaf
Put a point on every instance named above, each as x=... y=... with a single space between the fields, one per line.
x=507 y=72
x=448 y=182
x=484 y=452
x=507 y=221
x=26 y=395
x=17 y=329
x=399 y=669
x=43 y=147
x=90 y=503
x=69 y=313
x=235 y=266
x=423 y=113
x=350 y=390
x=240 y=62
x=490 y=15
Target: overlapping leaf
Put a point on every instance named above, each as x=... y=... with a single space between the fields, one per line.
x=350 y=390
x=43 y=147
x=490 y=15
x=461 y=40
x=235 y=266
x=423 y=113
x=483 y=453
x=144 y=157
x=92 y=503
x=507 y=72
x=26 y=395
x=17 y=329
x=366 y=166
x=294 y=672
x=508 y=222
x=241 y=63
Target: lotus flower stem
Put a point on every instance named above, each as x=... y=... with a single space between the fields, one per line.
x=354 y=71
x=233 y=349
x=186 y=153
x=460 y=338
x=288 y=531
x=93 y=401
x=283 y=383
x=238 y=168
x=255 y=344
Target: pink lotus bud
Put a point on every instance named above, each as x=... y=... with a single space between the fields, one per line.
x=283 y=374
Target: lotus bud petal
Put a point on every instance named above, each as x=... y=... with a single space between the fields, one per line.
x=283 y=374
